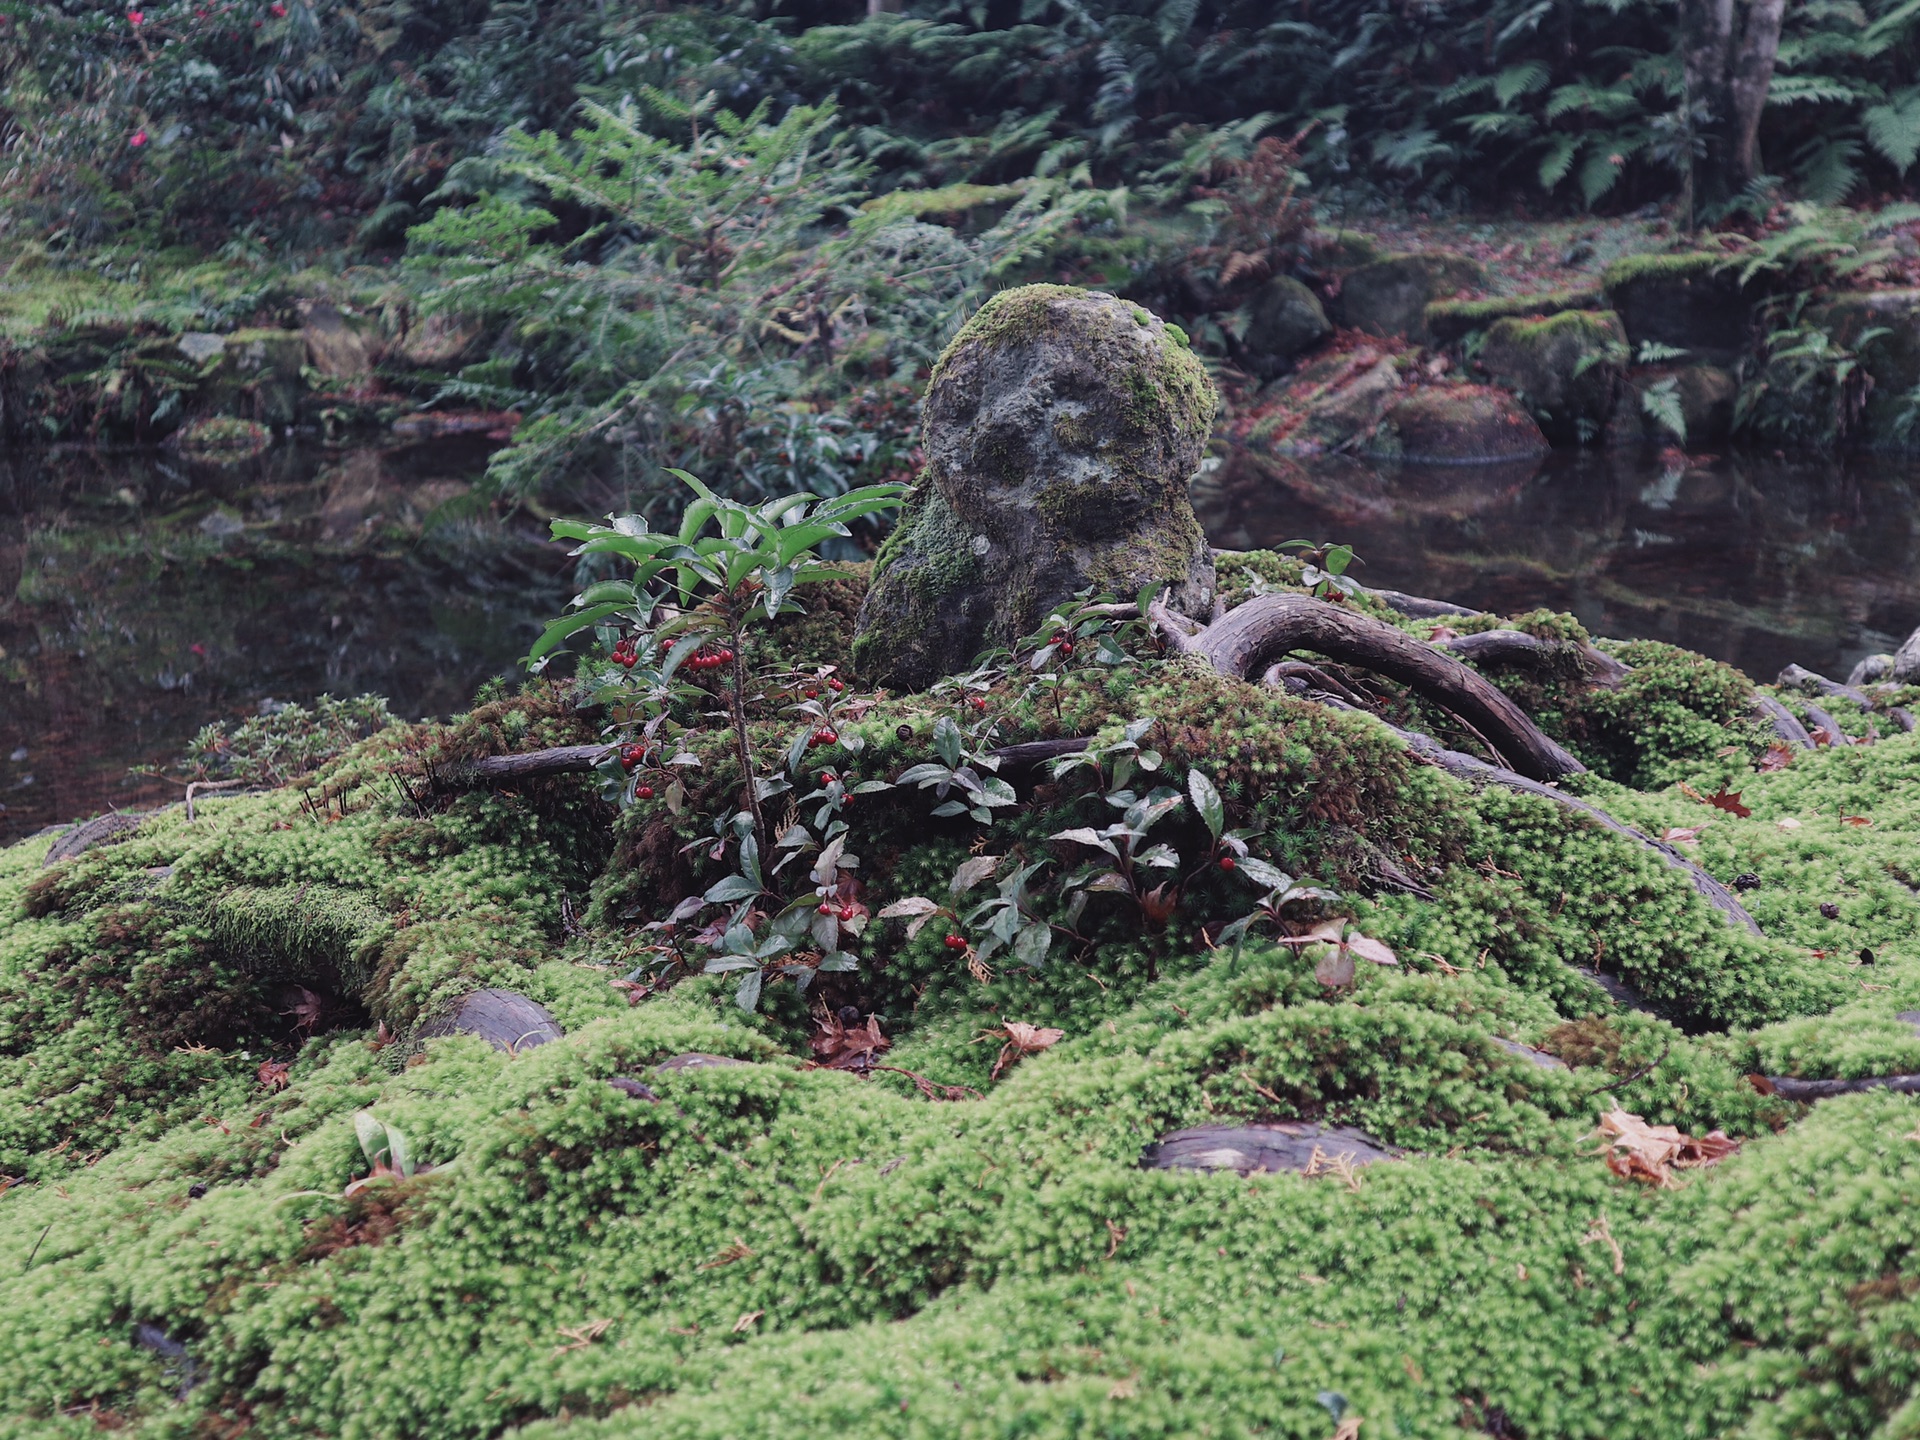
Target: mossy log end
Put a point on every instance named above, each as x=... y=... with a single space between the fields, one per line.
x=1250 y=637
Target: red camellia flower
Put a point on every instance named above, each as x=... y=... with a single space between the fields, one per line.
x=136 y=17
x=137 y=139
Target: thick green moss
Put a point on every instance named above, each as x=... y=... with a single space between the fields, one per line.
x=1685 y=265
x=772 y=1249
x=1448 y=321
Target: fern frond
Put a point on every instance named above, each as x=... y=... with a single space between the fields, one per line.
x=1811 y=90
x=1517 y=80
x=1558 y=160
x=1893 y=129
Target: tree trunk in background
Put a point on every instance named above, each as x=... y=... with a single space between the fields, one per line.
x=1727 y=48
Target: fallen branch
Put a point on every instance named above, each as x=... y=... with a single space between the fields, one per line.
x=1808 y=1091
x=1251 y=637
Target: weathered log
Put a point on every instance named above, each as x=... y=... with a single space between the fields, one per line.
x=89 y=834
x=1785 y=724
x=1788 y=1087
x=1271 y=1148
x=505 y=1019
x=530 y=765
x=1518 y=647
x=1252 y=636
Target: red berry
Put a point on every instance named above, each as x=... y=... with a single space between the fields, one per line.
x=956 y=942
x=645 y=792
x=1227 y=862
x=725 y=657
x=827 y=910
x=813 y=694
x=824 y=737
x=836 y=685
x=1066 y=647
x=826 y=777
x=847 y=912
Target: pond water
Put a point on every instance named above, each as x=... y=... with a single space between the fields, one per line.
x=146 y=596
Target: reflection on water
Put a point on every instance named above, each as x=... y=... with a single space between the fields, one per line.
x=1756 y=561
x=147 y=596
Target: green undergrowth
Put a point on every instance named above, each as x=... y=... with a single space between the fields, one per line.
x=771 y=1248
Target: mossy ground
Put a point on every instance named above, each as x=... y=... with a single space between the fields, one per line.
x=772 y=1249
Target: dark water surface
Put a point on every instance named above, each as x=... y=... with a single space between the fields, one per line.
x=145 y=596
x=1756 y=561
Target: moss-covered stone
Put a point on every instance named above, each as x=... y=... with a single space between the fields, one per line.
x=1457 y=425
x=1390 y=296
x=1566 y=369
x=259 y=376
x=1692 y=301
x=1284 y=320
x=1891 y=417
x=1061 y=429
x=1450 y=321
x=1705 y=395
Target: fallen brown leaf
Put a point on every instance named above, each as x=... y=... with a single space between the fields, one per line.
x=1022 y=1040
x=1778 y=757
x=273 y=1074
x=1636 y=1150
x=1681 y=835
x=1855 y=820
x=840 y=1043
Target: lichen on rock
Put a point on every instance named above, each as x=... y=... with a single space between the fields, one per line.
x=1061 y=429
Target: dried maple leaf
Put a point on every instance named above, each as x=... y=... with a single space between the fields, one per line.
x=840 y=1042
x=307 y=1010
x=273 y=1074
x=1821 y=736
x=1729 y=801
x=1681 y=835
x=1855 y=820
x=1636 y=1150
x=1022 y=1040
x=1778 y=757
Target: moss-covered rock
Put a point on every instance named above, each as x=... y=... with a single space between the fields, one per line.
x=259 y=376
x=1566 y=368
x=1284 y=320
x=1703 y=394
x=1458 y=425
x=1390 y=296
x=1891 y=418
x=1450 y=321
x=1692 y=302
x=1061 y=429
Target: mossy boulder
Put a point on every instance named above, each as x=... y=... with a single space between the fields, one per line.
x=1061 y=429
x=259 y=375
x=1284 y=321
x=1892 y=358
x=1390 y=296
x=1458 y=425
x=1692 y=302
x=1566 y=367
x=1450 y=321
x=1705 y=396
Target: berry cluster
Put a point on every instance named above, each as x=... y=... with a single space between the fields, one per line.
x=709 y=659
x=624 y=653
x=825 y=736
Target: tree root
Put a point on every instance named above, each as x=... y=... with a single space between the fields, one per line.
x=1796 y=677
x=1517 y=647
x=1785 y=724
x=1251 y=637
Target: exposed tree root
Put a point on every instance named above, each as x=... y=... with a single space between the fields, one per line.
x=1785 y=725
x=1253 y=636
x=1516 y=646
x=1797 y=677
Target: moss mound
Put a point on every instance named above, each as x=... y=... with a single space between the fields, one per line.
x=779 y=1246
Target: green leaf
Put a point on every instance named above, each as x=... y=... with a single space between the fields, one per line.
x=747 y=997
x=733 y=887
x=1267 y=877
x=1206 y=801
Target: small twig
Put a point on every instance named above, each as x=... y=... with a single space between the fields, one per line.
x=31 y=1254
x=1639 y=1074
x=928 y=1087
x=208 y=785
